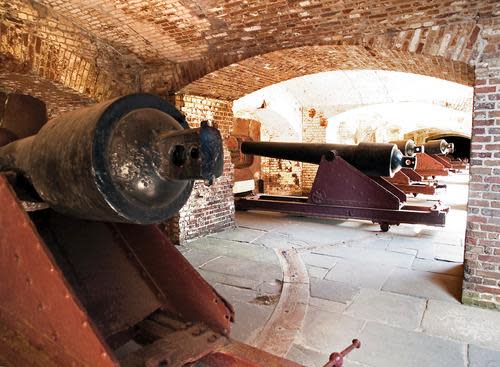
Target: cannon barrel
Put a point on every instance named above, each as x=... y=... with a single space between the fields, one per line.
x=131 y=159
x=408 y=147
x=374 y=159
x=440 y=146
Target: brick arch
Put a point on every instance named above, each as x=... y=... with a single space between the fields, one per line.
x=455 y=43
x=249 y=75
x=36 y=41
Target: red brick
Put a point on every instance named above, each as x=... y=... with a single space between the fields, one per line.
x=485 y=89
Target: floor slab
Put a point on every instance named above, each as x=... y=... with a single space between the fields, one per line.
x=441 y=267
x=367 y=255
x=327 y=332
x=198 y=257
x=332 y=291
x=360 y=274
x=244 y=268
x=387 y=308
x=240 y=234
x=385 y=346
x=424 y=284
x=465 y=323
x=482 y=357
x=235 y=249
x=318 y=260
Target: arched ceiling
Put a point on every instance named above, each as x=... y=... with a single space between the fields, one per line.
x=247 y=76
x=179 y=31
x=342 y=90
x=372 y=99
x=396 y=119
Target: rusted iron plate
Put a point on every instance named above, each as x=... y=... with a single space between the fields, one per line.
x=6 y=137
x=187 y=294
x=399 y=178
x=417 y=188
x=223 y=360
x=407 y=214
x=382 y=181
x=177 y=348
x=252 y=357
x=339 y=183
x=442 y=160
x=35 y=300
x=287 y=319
x=24 y=115
x=103 y=276
x=412 y=174
x=428 y=166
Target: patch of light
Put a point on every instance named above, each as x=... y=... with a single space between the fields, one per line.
x=385 y=122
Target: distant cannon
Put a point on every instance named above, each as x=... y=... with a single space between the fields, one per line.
x=373 y=159
x=440 y=146
x=349 y=183
x=408 y=147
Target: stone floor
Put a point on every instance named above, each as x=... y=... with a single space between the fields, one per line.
x=398 y=292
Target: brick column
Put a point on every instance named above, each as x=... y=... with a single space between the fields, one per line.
x=209 y=209
x=314 y=126
x=481 y=285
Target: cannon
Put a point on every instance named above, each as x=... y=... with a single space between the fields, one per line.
x=440 y=146
x=408 y=147
x=87 y=280
x=349 y=184
x=431 y=162
x=407 y=179
x=442 y=151
x=373 y=159
x=131 y=159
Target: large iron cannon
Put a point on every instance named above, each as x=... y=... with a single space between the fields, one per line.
x=79 y=292
x=440 y=146
x=131 y=159
x=408 y=147
x=373 y=159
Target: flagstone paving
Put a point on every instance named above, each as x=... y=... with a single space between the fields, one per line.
x=398 y=292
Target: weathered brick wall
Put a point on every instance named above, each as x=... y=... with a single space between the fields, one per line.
x=482 y=242
x=281 y=177
x=33 y=38
x=314 y=126
x=209 y=209
x=58 y=98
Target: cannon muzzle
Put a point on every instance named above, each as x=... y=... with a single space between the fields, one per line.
x=440 y=146
x=408 y=147
x=131 y=159
x=374 y=159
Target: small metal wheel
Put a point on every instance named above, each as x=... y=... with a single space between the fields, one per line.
x=384 y=226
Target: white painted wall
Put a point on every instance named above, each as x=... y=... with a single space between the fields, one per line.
x=389 y=121
x=359 y=100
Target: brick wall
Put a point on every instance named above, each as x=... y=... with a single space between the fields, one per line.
x=55 y=48
x=58 y=98
x=314 y=126
x=482 y=243
x=209 y=209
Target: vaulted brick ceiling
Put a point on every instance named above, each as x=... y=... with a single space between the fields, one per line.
x=237 y=80
x=184 y=30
